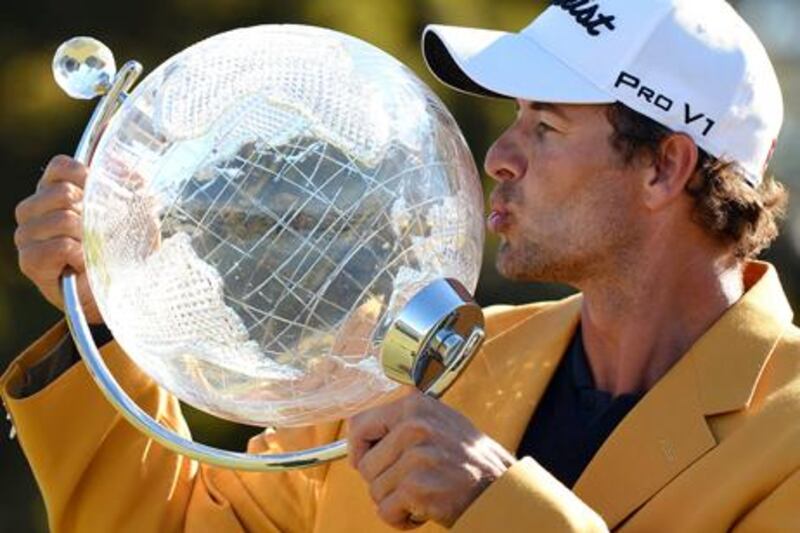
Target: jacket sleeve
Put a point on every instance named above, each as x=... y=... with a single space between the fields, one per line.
x=778 y=512
x=98 y=473
x=528 y=498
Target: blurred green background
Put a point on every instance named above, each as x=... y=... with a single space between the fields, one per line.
x=37 y=121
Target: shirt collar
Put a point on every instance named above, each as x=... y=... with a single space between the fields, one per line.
x=581 y=372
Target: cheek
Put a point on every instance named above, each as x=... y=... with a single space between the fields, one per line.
x=556 y=177
x=610 y=211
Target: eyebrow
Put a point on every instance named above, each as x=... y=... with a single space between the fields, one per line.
x=550 y=108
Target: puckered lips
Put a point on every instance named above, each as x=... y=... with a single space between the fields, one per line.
x=499 y=219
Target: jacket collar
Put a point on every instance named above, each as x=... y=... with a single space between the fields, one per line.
x=668 y=430
x=748 y=332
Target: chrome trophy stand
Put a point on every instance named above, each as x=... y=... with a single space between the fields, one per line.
x=428 y=345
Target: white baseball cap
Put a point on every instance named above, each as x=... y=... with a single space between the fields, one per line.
x=694 y=66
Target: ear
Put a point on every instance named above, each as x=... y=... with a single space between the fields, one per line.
x=674 y=164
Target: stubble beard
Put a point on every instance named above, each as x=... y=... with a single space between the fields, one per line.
x=571 y=261
x=527 y=261
x=553 y=255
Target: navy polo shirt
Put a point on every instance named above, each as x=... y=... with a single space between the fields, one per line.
x=573 y=418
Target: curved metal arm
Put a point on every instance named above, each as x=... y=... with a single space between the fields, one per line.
x=113 y=97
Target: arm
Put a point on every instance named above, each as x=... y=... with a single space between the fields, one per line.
x=97 y=473
x=424 y=461
x=778 y=512
x=526 y=497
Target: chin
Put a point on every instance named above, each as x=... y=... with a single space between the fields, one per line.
x=515 y=268
x=529 y=266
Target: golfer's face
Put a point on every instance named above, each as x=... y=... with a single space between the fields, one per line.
x=563 y=198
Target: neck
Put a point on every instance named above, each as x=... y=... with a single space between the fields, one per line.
x=639 y=322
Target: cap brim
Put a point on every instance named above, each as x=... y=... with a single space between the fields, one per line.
x=504 y=65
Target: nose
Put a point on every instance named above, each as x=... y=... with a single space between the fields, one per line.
x=505 y=161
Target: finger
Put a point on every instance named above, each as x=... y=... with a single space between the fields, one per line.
x=44 y=262
x=56 y=224
x=411 y=466
x=394 y=511
x=367 y=428
x=382 y=455
x=63 y=168
x=59 y=196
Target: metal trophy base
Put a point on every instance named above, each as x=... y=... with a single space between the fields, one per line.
x=428 y=345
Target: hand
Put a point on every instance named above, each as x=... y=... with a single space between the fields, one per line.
x=423 y=460
x=49 y=233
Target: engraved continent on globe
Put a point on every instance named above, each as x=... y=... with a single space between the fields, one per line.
x=262 y=207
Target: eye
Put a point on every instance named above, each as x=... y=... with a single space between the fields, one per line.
x=542 y=128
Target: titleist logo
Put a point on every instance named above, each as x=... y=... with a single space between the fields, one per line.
x=587 y=14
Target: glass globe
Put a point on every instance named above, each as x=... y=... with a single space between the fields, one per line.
x=262 y=207
x=83 y=67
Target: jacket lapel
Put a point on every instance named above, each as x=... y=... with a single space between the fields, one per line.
x=660 y=437
x=505 y=382
x=667 y=431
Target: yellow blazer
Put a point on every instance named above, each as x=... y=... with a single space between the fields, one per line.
x=714 y=446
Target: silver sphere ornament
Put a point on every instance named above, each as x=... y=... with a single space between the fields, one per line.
x=84 y=67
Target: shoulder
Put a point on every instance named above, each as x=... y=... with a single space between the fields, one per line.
x=790 y=341
x=782 y=373
x=760 y=444
x=774 y=408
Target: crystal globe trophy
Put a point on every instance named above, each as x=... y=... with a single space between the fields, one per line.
x=281 y=223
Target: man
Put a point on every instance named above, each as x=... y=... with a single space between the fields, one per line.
x=664 y=397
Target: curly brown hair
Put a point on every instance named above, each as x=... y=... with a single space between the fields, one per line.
x=728 y=207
